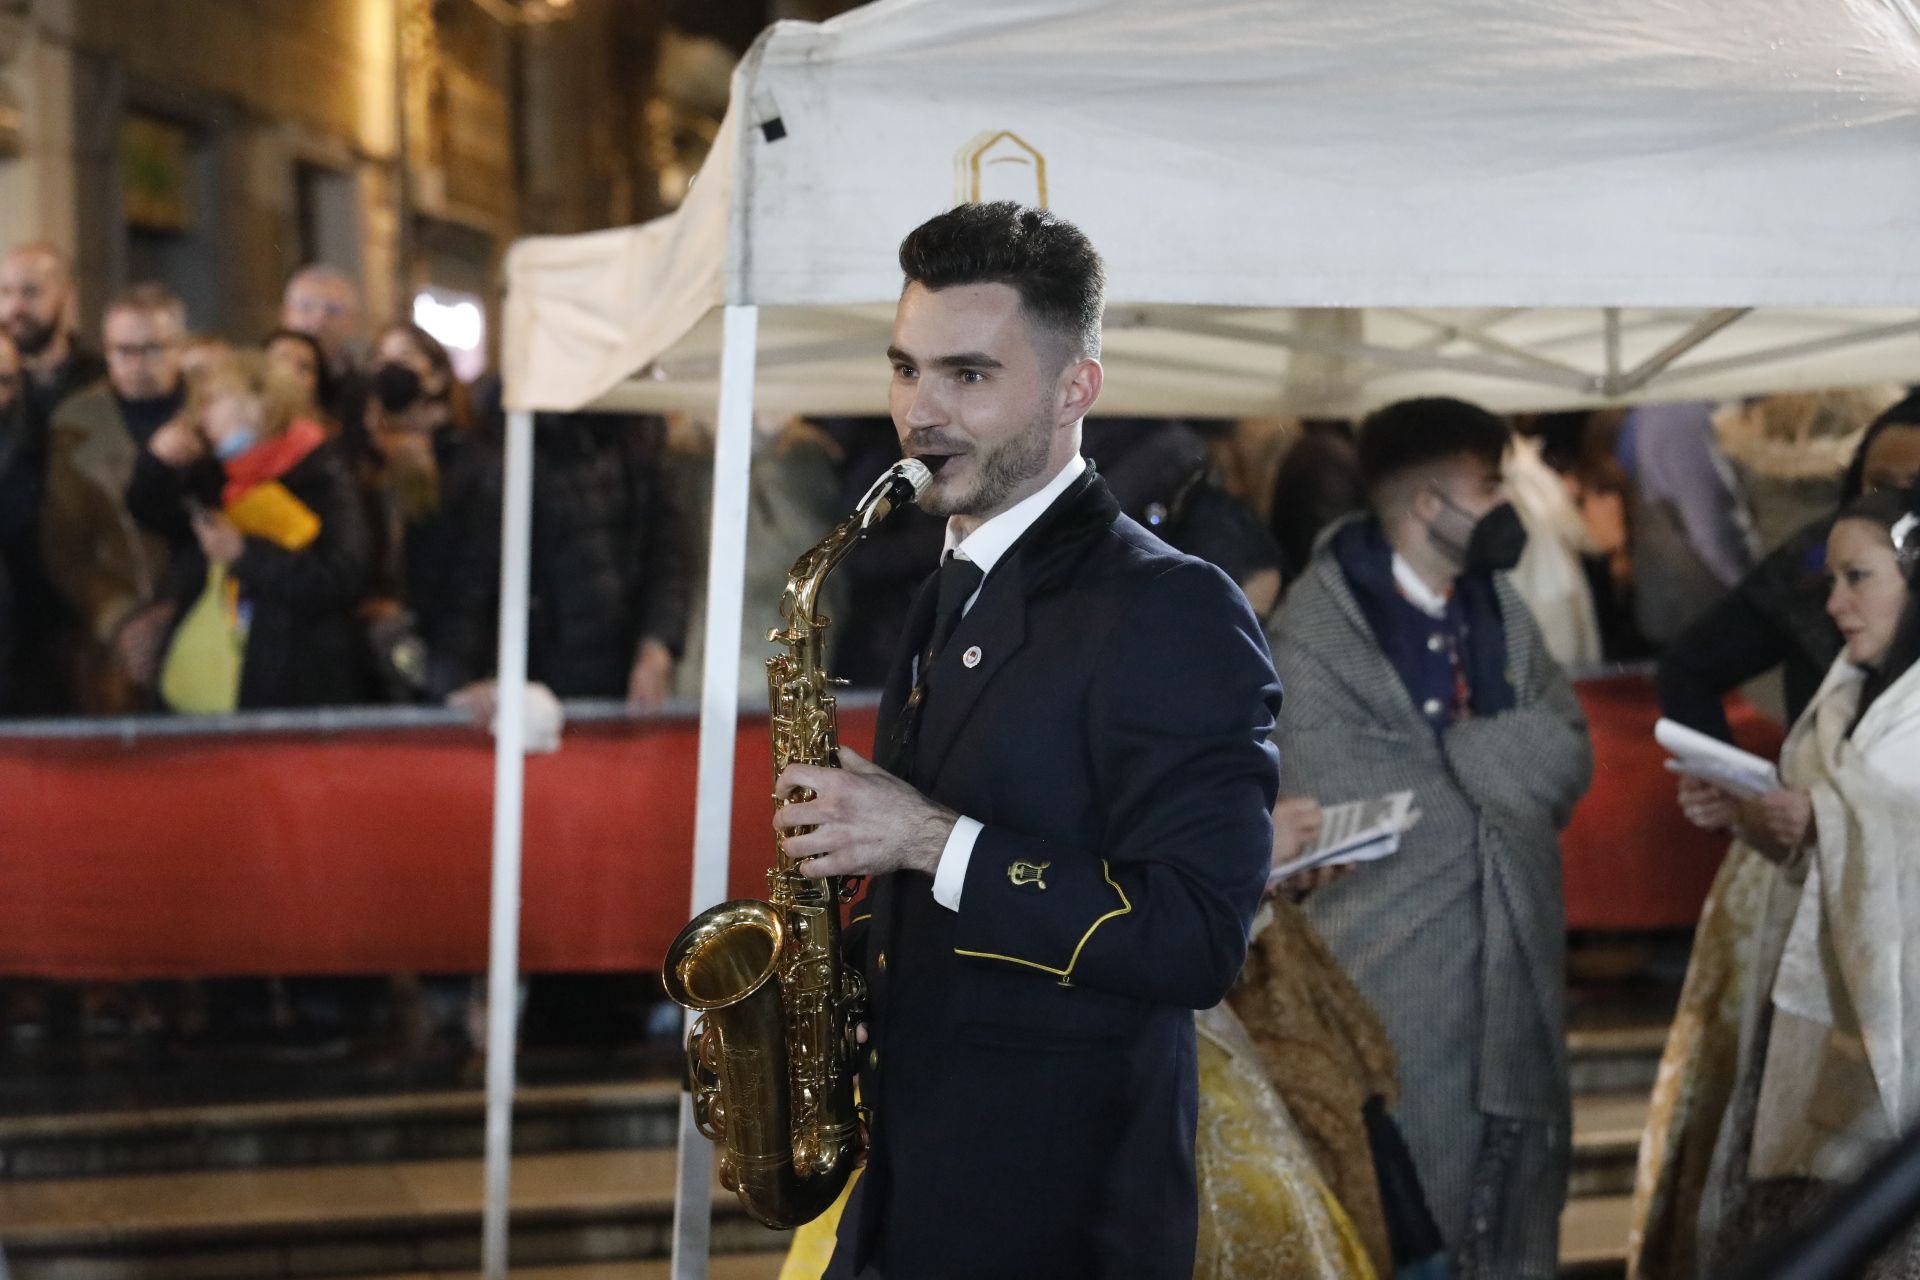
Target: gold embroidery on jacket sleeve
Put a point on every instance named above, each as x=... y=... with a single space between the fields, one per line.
x=1065 y=975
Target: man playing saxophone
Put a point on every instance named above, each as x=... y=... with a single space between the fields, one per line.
x=1066 y=832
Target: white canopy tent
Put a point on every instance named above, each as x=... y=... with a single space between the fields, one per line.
x=1303 y=207
x=1433 y=172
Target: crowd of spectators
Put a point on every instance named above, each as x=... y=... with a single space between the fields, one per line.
x=137 y=466
x=193 y=526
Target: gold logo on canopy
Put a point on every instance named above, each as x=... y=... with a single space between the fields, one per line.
x=1000 y=165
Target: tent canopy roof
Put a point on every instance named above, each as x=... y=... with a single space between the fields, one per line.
x=1302 y=206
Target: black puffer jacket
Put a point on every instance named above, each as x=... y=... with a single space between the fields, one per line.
x=1775 y=617
x=610 y=557
x=305 y=645
x=610 y=553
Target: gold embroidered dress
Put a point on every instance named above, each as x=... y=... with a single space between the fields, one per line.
x=1789 y=1064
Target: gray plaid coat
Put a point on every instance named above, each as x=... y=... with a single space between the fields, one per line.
x=1460 y=938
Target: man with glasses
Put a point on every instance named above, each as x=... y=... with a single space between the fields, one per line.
x=108 y=568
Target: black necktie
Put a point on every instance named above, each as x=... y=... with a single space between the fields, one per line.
x=958 y=580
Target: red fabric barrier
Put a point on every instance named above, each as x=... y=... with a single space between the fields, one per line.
x=361 y=853
x=369 y=853
x=1632 y=862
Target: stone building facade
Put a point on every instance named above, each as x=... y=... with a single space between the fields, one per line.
x=219 y=144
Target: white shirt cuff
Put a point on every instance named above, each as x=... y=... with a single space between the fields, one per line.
x=950 y=877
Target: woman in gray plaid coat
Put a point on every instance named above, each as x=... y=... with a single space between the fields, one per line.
x=1411 y=665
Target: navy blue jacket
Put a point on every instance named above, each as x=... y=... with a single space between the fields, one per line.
x=1031 y=1064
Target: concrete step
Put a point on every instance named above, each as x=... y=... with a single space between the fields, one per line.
x=1606 y=1142
x=1622 y=1059
x=733 y=1266
x=1593 y=1237
x=416 y=1219
x=397 y=1127
x=361 y=1219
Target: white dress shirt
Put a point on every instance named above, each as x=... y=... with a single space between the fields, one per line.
x=1418 y=593
x=985 y=547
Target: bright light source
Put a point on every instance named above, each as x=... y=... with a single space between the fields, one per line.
x=459 y=323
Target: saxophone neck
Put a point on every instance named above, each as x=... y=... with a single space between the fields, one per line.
x=800 y=604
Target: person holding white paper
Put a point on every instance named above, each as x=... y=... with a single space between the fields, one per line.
x=1790 y=1063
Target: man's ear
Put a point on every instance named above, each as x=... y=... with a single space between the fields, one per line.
x=1079 y=387
x=1422 y=501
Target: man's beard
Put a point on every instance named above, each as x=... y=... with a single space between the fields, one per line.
x=1003 y=469
x=31 y=336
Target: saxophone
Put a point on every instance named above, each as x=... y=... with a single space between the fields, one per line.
x=769 y=1059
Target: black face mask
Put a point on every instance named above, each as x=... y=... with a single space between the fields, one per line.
x=1496 y=542
x=397 y=387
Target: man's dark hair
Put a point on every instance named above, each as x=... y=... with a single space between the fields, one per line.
x=149 y=297
x=1419 y=433
x=1047 y=259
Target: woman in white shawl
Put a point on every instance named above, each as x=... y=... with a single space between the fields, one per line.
x=1795 y=1056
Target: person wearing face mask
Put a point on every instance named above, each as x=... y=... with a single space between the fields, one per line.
x=611 y=577
x=436 y=495
x=275 y=548
x=1412 y=664
x=1790 y=1065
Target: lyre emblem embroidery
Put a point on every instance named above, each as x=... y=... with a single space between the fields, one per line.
x=1021 y=871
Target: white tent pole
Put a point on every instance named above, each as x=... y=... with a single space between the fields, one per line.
x=509 y=783
x=719 y=726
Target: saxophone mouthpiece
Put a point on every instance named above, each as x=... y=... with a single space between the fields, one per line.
x=915 y=473
x=885 y=493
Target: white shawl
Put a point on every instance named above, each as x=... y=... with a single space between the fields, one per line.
x=1842 y=1074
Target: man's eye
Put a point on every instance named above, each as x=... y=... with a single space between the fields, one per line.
x=904 y=371
x=971 y=376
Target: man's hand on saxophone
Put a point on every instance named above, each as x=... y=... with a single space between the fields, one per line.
x=865 y=821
